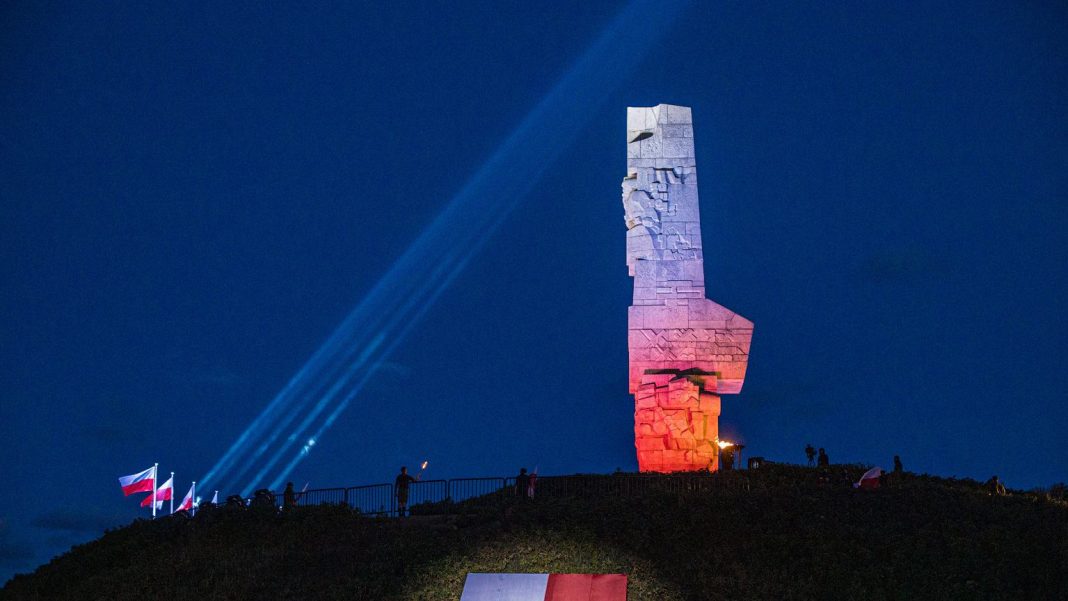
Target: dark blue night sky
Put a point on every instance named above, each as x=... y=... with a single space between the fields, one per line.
x=194 y=197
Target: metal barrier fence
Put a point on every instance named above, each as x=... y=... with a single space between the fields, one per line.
x=319 y=496
x=623 y=485
x=464 y=489
x=427 y=496
x=461 y=495
x=372 y=499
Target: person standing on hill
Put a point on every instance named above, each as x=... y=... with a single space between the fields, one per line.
x=400 y=487
x=811 y=454
x=726 y=459
x=522 y=483
x=823 y=460
x=898 y=468
x=289 y=497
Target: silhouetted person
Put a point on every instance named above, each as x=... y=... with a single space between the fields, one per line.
x=522 y=483
x=823 y=460
x=289 y=497
x=810 y=453
x=400 y=486
x=995 y=487
x=726 y=459
x=897 y=465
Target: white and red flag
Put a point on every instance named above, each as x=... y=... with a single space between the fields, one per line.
x=187 y=500
x=870 y=479
x=139 y=482
x=163 y=493
x=545 y=587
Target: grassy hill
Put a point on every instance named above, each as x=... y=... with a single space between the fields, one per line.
x=781 y=532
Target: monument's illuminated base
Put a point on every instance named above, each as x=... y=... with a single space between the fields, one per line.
x=685 y=350
x=676 y=422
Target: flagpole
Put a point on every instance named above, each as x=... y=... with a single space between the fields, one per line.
x=172 y=492
x=193 y=500
x=155 y=482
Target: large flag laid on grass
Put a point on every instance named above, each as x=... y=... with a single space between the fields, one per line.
x=545 y=587
x=139 y=482
x=163 y=493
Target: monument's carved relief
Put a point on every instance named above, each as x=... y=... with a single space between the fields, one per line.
x=685 y=350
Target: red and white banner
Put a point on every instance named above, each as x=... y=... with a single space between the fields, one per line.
x=187 y=500
x=139 y=482
x=545 y=587
x=163 y=493
x=870 y=479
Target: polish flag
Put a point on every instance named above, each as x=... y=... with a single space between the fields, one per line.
x=870 y=479
x=545 y=587
x=163 y=493
x=139 y=482
x=187 y=500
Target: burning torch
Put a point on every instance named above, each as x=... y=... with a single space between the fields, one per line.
x=729 y=453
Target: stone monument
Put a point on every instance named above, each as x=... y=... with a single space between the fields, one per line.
x=685 y=350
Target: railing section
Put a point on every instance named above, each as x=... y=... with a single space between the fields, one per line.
x=428 y=496
x=470 y=494
x=373 y=499
x=319 y=496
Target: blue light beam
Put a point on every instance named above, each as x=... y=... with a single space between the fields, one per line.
x=342 y=366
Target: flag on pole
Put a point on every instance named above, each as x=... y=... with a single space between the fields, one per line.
x=139 y=482
x=215 y=498
x=163 y=493
x=187 y=500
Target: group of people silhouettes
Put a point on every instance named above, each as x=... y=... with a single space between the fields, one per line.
x=821 y=459
x=525 y=483
x=524 y=487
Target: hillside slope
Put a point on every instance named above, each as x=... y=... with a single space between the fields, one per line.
x=788 y=534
